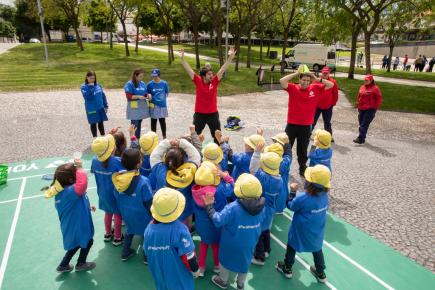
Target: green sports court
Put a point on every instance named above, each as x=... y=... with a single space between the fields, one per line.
x=31 y=248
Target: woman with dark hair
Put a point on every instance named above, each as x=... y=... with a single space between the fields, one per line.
x=206 y=83
x=95 y=103
x=369 y=101
x=137 y=100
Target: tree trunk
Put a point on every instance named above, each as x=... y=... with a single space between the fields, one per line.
x=219 y=45
x=211 y=38
x=248 y=55
x=110 y=40
x=78 y=39
x=101 y=36
x=367 y=51
x=390 y=56
x=168 y=35
x=268 y=47
x=124 y=30
x=237 y=47
x=284 y=47
x=261 y=48
x=136 y=48
x=355 y=32
x=195 y=40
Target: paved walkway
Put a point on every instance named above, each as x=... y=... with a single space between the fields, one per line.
x=385 y=188
x=6 y=46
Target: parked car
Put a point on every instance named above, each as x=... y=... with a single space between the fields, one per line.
x=34 y=40
x=315 y=56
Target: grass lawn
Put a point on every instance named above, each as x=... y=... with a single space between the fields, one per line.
x=410 y=75
x=395 y=97
x=213 y=52
x=23 y=69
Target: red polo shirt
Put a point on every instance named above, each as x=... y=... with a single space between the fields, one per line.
x=330 y=97
x=206 y=95
x=369 y=97
x=302 y=103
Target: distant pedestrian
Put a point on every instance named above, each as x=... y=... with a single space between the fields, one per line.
x=384 y=61
x=431 y=64
x=417 y=63
x=396 y=63
x=360 y=58
x=405 y=62
x=423 y=63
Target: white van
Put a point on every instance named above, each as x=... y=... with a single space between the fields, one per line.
x=314 y=55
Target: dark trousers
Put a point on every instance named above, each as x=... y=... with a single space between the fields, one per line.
x=126 y=247
x=82 y=256
x=365 y=117
x=263 y=245
x=211 y=120
x=138 y=125
x=162 y=122
x=319 y=260
x=100 y=128
x=302 y=134
x=326 y=116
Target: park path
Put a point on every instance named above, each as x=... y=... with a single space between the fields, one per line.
x=6 y=46
x=338 y=74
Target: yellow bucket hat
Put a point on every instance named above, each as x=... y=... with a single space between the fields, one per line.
x=247 y=186
x=270 y=163
x=205 y=175
x=275 y=148
x=303 y=68
x=323 y=138
x=253 y=140
x=53 y=190
x=168 y=205
x=319 y=174
x=186 y=174
x=148 y=142
x=280 y=138
x=103 y=147
x=213 y=152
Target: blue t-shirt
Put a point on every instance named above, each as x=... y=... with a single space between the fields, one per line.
x=308 y=226
x=241 y=162
x=206 y=229
x=164 y=244
x=321 y=156
x=239 y=236
x=272 y=186
x=145 y=169
x=159 y=91
x=95 y=99
x=284 y=170
x=103 y=179
x=132 y=207
x=75 y=218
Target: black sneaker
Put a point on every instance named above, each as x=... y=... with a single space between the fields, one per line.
x=218 y=282
x=240 y=287
x=321 y=277
x=145 y=260
x=332 y=140
x=130 y=254
x=118 y=242
x=65 y=269
x=108 y=238
x=282 y=268
x=85 y=266
x=358 y=141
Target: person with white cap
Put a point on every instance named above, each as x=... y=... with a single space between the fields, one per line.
x=240 y=222
x=303 y=98
x=326 y=104
x=369 y=100
x=307 y=229
x=266 y=166
x=168 y=243
x=159 y=91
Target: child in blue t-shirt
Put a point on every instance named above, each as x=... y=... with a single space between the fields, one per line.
x=308 y=225
x=159 y=91
x=323 y=152
x=133 y=196
x=74 y=211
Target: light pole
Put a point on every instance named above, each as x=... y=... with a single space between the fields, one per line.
x=41 y=19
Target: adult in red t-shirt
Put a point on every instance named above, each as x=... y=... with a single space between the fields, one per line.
x=302 y=103
x=206 y=83
x=369 y=101
x=327 y=102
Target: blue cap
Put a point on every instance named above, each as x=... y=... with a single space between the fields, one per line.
x=155 y=72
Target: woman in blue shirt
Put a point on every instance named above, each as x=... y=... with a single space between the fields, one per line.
x=159 y=90
x=308 y=226
x=95 y=103
x=137 y=100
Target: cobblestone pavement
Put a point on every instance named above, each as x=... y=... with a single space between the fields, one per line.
x=386 y=187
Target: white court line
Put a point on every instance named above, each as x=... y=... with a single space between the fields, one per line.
x=12 y=233
x=353 y=262
x=30 y=197
x=306 y=266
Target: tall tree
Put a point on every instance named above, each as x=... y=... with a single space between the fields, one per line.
x=216 y=12
x=71 y=8
x=122 y=9
x=98 y=16
x=238 y=25
x=166 y=9
x=287 y=13
x=26 y=20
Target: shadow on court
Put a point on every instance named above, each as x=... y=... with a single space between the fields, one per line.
x=336 y=232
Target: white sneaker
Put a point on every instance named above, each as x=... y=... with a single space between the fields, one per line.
x=266 y=254
x=201 y=273
x=216 y=269
x=257 y=262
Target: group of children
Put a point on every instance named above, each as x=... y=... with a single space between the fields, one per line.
x=164 y=191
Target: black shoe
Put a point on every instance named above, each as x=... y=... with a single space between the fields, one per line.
x=358 y=141
x=332 y=140
x=108 y=238
x=218 y=282
x=85 y=266
x=321 y=277
x=130 y=254
x=65 y=269
x=118 y=242
x=145 y=260
x=282 y=268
